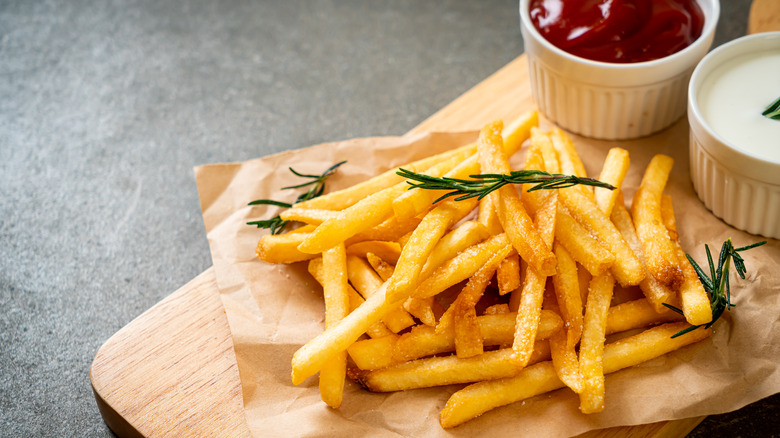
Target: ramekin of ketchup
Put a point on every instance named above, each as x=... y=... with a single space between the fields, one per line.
x=614 y=69
x=618 y=30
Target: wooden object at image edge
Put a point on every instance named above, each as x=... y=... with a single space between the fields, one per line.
x=172 y=370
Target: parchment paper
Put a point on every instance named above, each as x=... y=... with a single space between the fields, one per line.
x=274 y=309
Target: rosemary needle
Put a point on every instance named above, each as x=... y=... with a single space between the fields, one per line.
x=717 y=283
x=485 y=183
x=773 y=110
x=276 y=224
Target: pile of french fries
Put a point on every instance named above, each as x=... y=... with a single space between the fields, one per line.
x=512 y=294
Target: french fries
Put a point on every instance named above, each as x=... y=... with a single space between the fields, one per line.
x=386 y=257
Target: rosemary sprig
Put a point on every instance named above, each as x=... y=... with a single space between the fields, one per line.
x=717 y=283
x=773 y=110
x=485 y=183
x=276 y=224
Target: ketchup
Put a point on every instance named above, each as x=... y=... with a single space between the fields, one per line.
x=620 y=31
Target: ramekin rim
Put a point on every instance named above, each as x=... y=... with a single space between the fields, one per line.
x=707 y=30
x=704 y=68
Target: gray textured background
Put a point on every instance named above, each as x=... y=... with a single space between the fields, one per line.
x=105 y=107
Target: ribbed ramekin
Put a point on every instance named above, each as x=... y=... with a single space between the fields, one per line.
x=738 y=186
x=608 y=100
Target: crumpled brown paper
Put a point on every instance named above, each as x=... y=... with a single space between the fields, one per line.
x=274 y=309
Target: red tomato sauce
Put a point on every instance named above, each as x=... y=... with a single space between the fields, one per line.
x=618 y=31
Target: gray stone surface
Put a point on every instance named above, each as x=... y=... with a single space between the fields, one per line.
x=105 y=107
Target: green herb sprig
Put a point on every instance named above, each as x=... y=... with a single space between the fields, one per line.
x=717 y=283
x=773 y=110
x=482 y=184
x=276 y=224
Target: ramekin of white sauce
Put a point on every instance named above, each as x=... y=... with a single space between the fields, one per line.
x=734 y=149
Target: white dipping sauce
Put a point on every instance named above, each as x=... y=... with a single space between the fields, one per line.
x=733 y=97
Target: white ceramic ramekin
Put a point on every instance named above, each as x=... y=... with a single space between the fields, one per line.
x=738 y=186
x=608 y=100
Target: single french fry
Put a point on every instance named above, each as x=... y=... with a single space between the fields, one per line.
x=660 y=254
x=372 y=354
x=567 y=292
x=460 y=267
x=487 y=216
x=439 y=371
x=390 y=230
x=592 y=343
x=695 y=303
x=508 y=274
x=496 y=309
x=637 y=313
x=344 y=198
x=532 y=293
x=387 y=251
x=478 y=398
x=613 y=172
x=654 y=290
x=282 y=248
x=415 y=202
x=562 y=353
x=422 y=242
x=333 y=373
x=571 y=163
x=584 y=248
x=367 y=282
x=517 y=224
x=309 y=216
x=376 y=330
x=627 y=269
x=383 y=269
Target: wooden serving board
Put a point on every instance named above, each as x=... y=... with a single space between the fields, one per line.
x=172 y=371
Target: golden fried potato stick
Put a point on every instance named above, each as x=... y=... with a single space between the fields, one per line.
x=637 y=313
x=531 y=296
x=627 y=269
x=562 y=354
x=283 y=248
x=584 y=248
x=377 y=330
x=487 y=216
x=655 y=292
x=571 y=163
x=695 y=302
x=613 y=172
x=660 y=254
x=383 y=269
x=364 y=214
x=422 y=242
x=346 y=197
x=309 y=216
x=567 y=291
x=335 y=292
x=517 y=224
x=439 y=371
x=592 y=343
x=508 y=274
x=367 y=282
x=387 y=251
x=372 y=354
x=478 y=398
x=496 y=309
x=390 y=230
x=415 y=202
